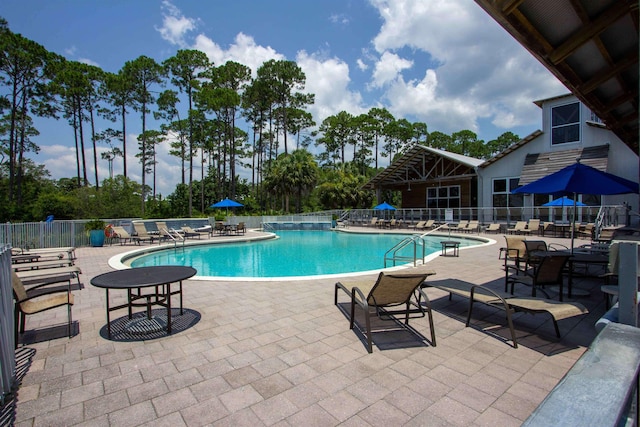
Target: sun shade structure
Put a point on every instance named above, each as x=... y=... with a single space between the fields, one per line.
x=590 y=46
x=564 y=201
x=227 y=203
x=384 y=207
x=579 y=179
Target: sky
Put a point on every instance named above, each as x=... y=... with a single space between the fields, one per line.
x=442 y=62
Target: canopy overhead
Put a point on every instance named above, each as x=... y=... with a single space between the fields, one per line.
x=590 y=46
x=384 y=207
x=579 y=179
x=564 y=201
x=226 y=203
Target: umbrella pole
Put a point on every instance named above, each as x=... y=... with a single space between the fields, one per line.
x=573 y=220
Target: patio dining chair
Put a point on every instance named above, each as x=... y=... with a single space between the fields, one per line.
x=389 y=290
x=36 y=300
x=549 y=272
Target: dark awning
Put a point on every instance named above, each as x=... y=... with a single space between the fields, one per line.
x=540 y=165
x=590 y=46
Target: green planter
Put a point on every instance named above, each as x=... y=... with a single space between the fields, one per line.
x=96 y=238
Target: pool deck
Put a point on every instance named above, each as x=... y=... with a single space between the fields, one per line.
x=281 y=353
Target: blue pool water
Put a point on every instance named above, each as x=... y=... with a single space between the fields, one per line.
x=295 y=253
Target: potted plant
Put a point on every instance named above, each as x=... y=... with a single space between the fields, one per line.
x=95 y=227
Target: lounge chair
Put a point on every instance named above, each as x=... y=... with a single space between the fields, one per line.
x=374 y=222
x=35 y=302
x=586 y=230
x=492 y=228
x=190 y=232
x=58 y=252
x=508 y=303
x=471 y=227
x=457 y=227
x=429 y=224
x=40 y=265
x=50 y=275
x=534 y=226
x=420 y=225
x=547 y=273
x=519 y=228
x=121 y=234
x=166 y=233
x=142 y=235
x=389 y=290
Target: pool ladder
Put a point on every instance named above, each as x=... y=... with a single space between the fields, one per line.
x=392 y=254
x=415 y=241
x=175 y=236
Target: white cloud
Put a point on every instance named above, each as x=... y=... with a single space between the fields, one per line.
x=175 y=25
x=362 y=65
x=243 y=50
x=388 y=68
x=339 y=19
x=477 y=71
x=329 y=80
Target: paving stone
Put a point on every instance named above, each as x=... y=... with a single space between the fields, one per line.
x=287 y=358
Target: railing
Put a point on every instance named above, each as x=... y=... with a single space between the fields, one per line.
x=298 y=222
x=173 y=235
x=71 y=232
x=601 y=389
x=611 y=215
x=7 y=349
x=392 y=254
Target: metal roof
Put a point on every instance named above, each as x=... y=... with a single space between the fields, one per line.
x=411 y=165
x=539 y=165
x=590 y=46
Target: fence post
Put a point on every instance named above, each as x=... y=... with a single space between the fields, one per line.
x=628 y=283
x=7 y=349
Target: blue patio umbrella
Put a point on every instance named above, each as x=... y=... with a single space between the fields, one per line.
x=384 y=207
x=227 y=203
x=579 y=179
x=564 y=201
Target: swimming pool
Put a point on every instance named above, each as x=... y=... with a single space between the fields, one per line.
x=294 y=254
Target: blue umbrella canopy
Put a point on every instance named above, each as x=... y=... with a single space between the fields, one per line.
x=564 y=201
x=384 y=207
x=226 y=203
x=579 y=179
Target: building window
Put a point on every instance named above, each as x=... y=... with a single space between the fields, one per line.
x=443 y=197
x=502 y=197
x=565 y=124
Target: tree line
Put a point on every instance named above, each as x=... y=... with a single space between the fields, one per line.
x=199 y=110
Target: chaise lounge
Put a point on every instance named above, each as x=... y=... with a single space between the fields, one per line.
x=508 y=303
x=389 y=290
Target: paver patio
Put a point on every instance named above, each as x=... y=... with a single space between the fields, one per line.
x=280 y=353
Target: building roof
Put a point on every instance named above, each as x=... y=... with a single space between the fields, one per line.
x=539 y=165
x=411 y=166
x=590 y=46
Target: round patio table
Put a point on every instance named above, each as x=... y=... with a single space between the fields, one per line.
x=134 y=280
